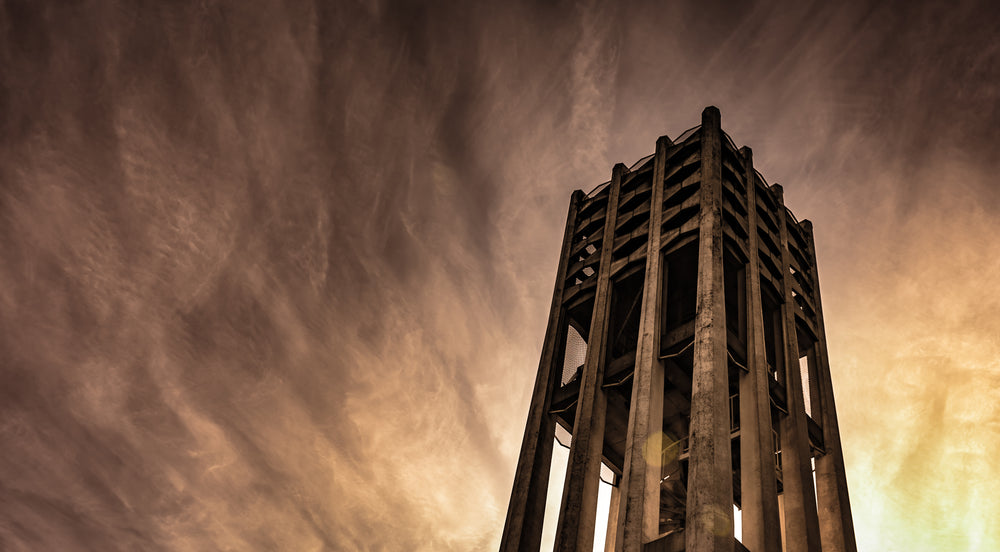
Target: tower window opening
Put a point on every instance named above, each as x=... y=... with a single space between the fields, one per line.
x=735 y=292
x=774 y=341
x=626 y=310
x=734 y=412
x=776 y=437
x=680 y=295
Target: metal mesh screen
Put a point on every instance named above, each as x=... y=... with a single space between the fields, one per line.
x=804 y=370
x=607 y=475
x=576 y=354
x=563 y=437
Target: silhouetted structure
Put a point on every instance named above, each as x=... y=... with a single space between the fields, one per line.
x=705 y=381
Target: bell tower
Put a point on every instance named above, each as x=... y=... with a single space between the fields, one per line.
x=685 y=354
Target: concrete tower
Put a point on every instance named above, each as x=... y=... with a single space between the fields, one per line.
x=685 y=351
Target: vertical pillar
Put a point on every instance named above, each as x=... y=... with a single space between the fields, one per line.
x=710 y=480
x=578 y=513
x=523 y=529
x=758 y=487
x=801 y=519
x=639 y=514
x=836 y=524
x=611 y=537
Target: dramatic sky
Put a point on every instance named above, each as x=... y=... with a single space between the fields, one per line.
x=274 y=276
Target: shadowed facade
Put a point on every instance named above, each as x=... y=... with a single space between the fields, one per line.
x=690 y=294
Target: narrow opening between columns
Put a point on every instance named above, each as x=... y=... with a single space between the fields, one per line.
x=557 y=476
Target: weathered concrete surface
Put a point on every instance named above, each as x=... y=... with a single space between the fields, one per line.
x=613 y=508
x=710 y=484
x=639 y=515
x=836 y=524
x=758 y=487
x=801 y=518
x=577 y=516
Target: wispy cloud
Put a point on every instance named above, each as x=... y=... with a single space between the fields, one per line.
x=275 y=277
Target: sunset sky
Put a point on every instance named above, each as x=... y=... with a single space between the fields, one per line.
x=274 y=276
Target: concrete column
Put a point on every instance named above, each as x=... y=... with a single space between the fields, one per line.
x=523 y=529
x=577 y=516
x=758 y=486
x=801 y=520
x=612 y=534
x=639 y=515
x=710 y=480
x=836 y=524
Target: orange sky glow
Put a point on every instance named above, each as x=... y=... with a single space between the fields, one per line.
x=275 y=274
